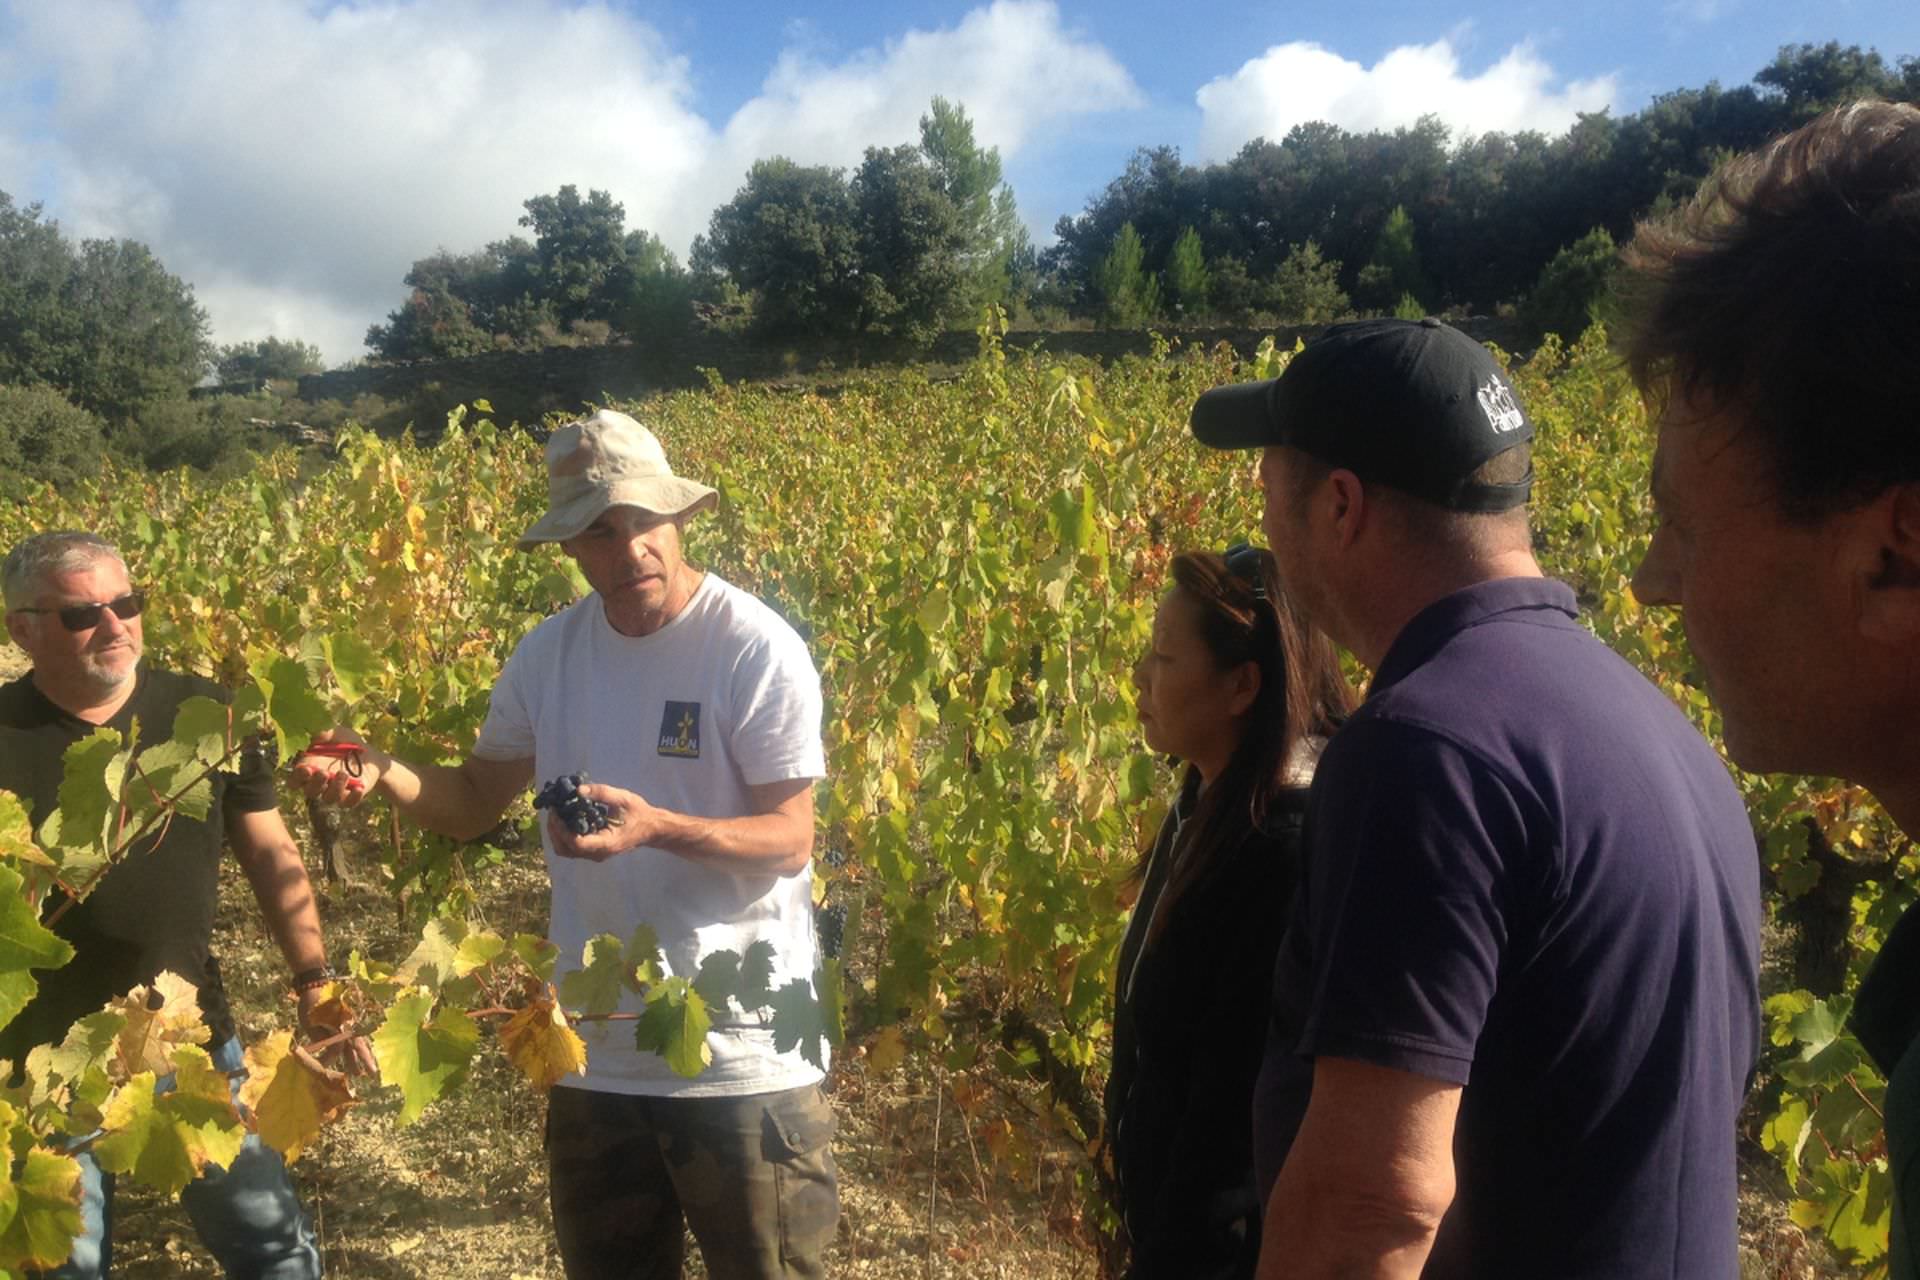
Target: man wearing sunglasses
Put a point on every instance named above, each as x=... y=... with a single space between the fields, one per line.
x=71 y=607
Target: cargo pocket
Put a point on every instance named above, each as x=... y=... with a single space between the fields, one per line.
x=798 y=1143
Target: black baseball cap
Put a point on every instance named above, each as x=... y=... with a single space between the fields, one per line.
x=1412 y=404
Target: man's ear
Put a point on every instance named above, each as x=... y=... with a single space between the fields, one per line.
x=1890 y=606
x=1347 y=504
x=17 y=624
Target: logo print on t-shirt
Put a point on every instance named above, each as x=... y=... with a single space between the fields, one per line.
x=680 y=730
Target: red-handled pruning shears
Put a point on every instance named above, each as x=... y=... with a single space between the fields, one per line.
x=348 y=753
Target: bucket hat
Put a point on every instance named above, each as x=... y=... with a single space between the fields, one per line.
x=609 y=460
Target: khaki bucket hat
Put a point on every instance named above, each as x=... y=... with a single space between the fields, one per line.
x=609 y=460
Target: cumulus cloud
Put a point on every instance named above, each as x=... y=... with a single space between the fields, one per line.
x=1295 y=83
x=292 y=160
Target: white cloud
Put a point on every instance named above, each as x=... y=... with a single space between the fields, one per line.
x=1012 y=64
x=292 y=161
x=1295 y=83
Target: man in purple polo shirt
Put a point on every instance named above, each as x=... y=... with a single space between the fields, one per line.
x=1516 y=1009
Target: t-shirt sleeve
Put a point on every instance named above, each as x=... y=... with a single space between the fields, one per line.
x=774 y=728
x=1412 y=851
x=251 y=788
x=507 y=732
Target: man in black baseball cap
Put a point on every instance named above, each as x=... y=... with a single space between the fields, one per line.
x=1419 y=407
x=1516 y=1005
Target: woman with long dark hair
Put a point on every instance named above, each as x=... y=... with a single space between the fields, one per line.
x=1237 y=686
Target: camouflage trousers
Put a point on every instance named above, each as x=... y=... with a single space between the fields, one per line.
x=752 y=1176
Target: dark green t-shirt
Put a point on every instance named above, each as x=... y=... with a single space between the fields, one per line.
x=1886 y=1018
x=153 y=910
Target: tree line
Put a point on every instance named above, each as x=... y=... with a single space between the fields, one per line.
x=100 y=344
x=1317 y=225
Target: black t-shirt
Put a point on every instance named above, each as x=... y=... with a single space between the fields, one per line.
x=1528 y=875
x=154 y=909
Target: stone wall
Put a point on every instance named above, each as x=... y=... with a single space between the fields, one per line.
x=524 y=385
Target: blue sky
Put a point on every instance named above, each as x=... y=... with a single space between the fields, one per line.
x=292 y=158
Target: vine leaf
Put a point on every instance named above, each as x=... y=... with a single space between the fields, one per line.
x=434 y=958
x=16 y=833
x=675 y=1025
x=595 y=990
x=424 y=1057
x=476 y=951
x=888 y=1051
x=93 y=770
x=166 y=1141
x=24 y=944
x=645 y=965
x=353 y=661
x=537 y=954
x=539 y=1041
x=159 y=1019
x=45 y=1197
x=171 y=769
x=296 y=710
x=291 y=1095
x=201 y=727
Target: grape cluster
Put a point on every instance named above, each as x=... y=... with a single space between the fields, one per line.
x=835 y=856
x=579 y=814
x=830 y=923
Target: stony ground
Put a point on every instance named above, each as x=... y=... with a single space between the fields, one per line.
x=463 y=1193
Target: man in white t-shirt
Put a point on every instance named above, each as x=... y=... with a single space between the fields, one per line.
x=696 y=710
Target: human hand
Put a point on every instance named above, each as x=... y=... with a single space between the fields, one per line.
x=338 y=767
x=631 y=822
x=326 y=1020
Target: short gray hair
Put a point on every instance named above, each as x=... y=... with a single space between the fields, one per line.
x=43 y=555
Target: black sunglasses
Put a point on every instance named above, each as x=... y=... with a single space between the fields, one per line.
x=1248 y=563
x=78 y=617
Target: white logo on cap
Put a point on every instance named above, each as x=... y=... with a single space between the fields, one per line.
x=1497 y=402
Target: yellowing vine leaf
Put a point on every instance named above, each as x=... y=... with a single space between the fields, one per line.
x=16 y=833
x=539 y=1041
x=166 y=1141
x=159 y=1018
x=45 y=1197
x=291 y=1095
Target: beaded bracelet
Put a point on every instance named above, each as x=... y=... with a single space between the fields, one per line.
x=319 y=976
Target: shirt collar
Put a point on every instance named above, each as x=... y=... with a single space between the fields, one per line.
x=1450 y=615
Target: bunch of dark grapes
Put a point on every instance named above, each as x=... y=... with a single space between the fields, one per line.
x=579 y=814
x=835 y=856
x=830 y=922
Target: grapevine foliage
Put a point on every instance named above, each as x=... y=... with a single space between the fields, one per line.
x=975 y=565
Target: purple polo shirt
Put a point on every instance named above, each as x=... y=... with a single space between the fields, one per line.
x=1527 y=874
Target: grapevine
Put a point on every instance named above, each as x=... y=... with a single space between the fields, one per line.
x=974 y=565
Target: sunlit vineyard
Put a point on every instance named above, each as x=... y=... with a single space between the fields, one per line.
x=974 y=564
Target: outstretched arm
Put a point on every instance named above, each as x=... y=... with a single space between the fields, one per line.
x=271 y=860
x=462 y=801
